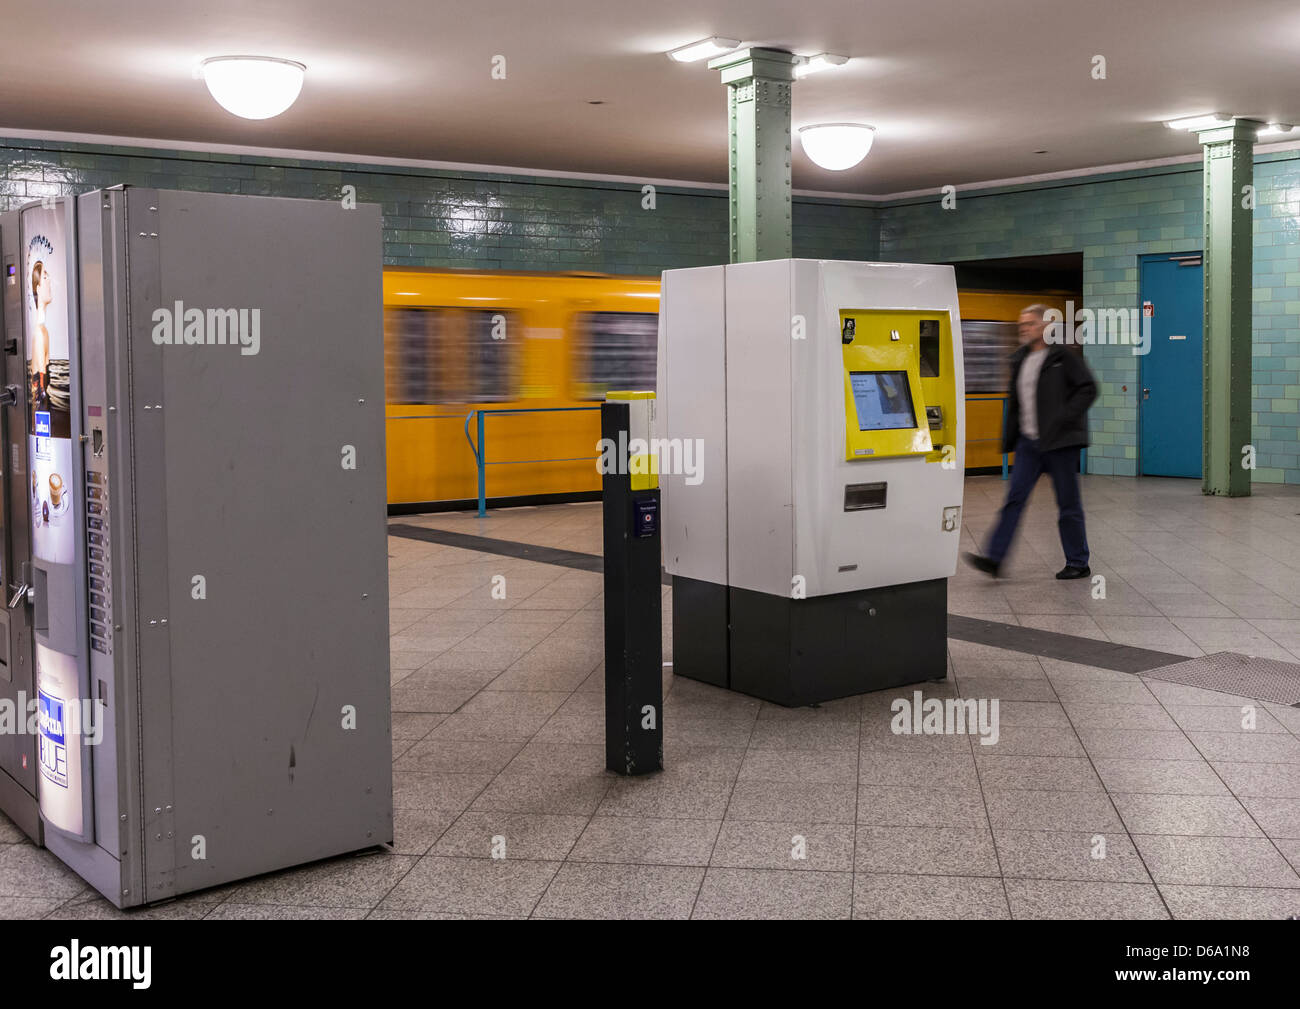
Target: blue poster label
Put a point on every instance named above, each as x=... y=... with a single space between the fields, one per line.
x=53 y=748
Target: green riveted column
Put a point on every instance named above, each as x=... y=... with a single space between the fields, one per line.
x=1229 y=203
x=758 y=112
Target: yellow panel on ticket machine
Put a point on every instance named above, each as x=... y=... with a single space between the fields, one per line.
x=899 y=390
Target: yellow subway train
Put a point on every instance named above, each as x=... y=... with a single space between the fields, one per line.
x=534 y=354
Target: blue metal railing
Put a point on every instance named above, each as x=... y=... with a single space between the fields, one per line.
x=480 y=450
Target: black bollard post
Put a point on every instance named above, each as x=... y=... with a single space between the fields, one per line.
x=634 y=731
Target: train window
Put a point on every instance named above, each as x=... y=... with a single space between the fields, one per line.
x=986 y=347
x=411 y=338
x=494 y=342
x=614 y=350
x=444 y=355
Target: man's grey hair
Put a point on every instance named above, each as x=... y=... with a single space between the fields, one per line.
x=1038 y=310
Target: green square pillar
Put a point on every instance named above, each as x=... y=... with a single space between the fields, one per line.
x=1229 y=206
x=758 y=113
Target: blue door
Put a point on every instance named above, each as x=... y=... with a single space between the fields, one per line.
x=1171 y=374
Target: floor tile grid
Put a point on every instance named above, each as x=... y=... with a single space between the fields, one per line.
x=857 y=801
x=711 y=866
x=469 y=805
x=714 y=869
x=997 y=847
x=984 y=802
x=1194 y=551
x=533 y=914
x=1245 y=806
x=731 y=793
x=1162 y=888
x=396 y=883
x=1128 y=834
x=856 y=839
x=970 y=744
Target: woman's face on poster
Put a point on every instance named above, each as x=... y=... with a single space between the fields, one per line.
x=45 y=290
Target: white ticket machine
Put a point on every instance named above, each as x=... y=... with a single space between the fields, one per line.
x=810 y=552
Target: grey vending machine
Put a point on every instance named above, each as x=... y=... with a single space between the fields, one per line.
x=194 y=553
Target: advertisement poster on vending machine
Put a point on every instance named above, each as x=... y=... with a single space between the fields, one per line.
x=46 y=291
x=47 y=288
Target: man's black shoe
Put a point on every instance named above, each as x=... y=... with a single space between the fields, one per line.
x=981 y=563
x=1070 y=571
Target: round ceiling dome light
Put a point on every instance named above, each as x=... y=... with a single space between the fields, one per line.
x=837 y=146
x=253 y=87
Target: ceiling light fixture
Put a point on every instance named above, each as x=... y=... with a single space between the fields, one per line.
x=837 y=146
x=253 y=87
x=1194 y=123
x=822 y=61
x=714 y=46
x=1273 y=130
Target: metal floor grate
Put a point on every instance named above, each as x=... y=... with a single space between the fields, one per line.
x=1231 y=673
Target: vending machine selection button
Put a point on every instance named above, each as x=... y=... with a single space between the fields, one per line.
x=98 y=645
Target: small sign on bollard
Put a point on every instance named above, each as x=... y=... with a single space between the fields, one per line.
x=634 y=731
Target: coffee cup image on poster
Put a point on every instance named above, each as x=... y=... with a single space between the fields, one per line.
x=46 y=289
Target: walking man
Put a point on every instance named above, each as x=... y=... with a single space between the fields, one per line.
x=1050 y=391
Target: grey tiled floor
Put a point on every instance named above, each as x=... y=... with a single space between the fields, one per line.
x=498 y=734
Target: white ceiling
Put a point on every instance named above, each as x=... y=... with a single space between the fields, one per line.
x=961 y=91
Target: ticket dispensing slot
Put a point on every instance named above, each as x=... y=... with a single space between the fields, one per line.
x=864 y=496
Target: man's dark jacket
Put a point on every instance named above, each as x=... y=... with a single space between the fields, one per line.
x=1066 y=389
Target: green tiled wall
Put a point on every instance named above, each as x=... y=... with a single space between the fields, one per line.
x=440 y=218
x=459 y=219
x=1114 y=220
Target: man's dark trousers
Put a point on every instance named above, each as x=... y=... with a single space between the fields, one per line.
x=1062 y=465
